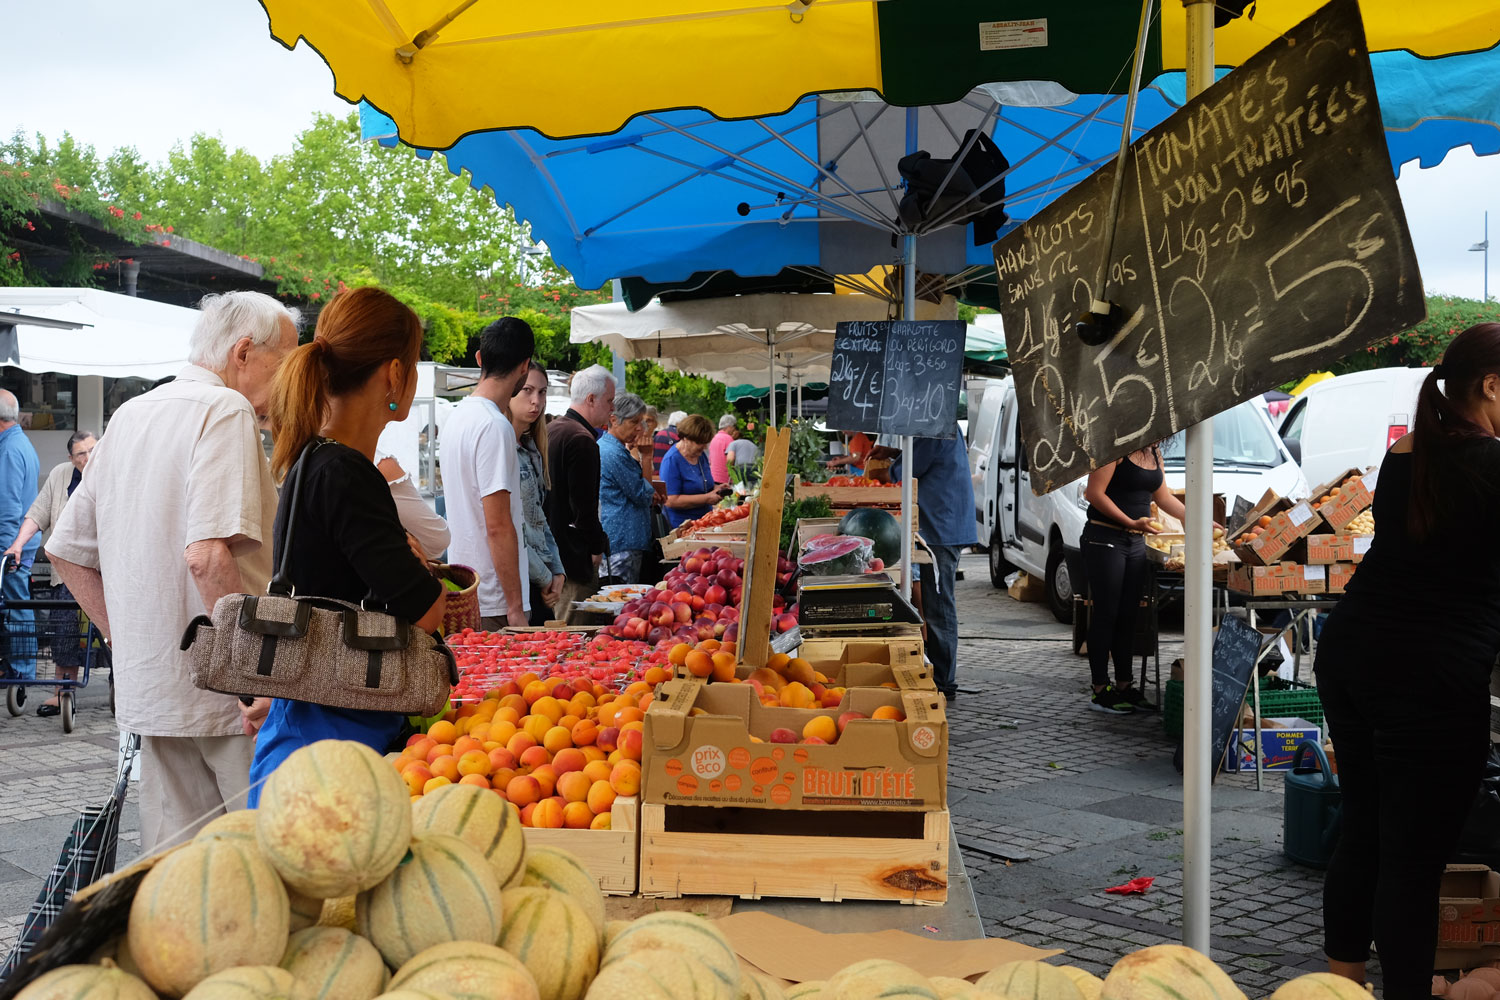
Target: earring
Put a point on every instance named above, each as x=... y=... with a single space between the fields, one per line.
x=391 y=404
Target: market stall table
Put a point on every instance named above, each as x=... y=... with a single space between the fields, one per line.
x=1300 y=608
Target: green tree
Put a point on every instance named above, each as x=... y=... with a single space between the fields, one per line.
x=1424 y=343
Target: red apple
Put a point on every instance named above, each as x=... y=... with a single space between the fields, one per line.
x=783 y=736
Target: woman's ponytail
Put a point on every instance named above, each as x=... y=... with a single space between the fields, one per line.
x=1441 y=421
x=299 y=404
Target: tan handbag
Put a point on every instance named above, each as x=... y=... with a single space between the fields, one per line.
x=315 y=649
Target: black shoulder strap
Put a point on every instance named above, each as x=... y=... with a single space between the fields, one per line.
x=281 y=583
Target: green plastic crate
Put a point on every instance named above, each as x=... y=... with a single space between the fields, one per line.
x=1278 y=700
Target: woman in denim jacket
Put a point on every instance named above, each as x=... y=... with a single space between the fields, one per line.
x=528 y=414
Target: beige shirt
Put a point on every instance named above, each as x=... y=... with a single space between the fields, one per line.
x=181 y=464
x=46 y=510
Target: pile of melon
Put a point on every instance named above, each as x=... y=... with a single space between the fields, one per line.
x=339 y=887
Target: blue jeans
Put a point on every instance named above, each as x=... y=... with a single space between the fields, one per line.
x=941 y=611
x=19 y=626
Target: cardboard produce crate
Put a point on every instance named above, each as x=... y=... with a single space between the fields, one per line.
x=711 y=760
x=1289 y=522
x=853 y=496
x=1339 y=575
x=1323 y=550
x=1356 y=493
x=1279 y=740
x=870 y=662
x=1468 y=916
x=612 y=856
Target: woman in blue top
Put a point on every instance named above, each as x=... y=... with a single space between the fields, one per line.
x=357 y=375
x=625 y=493
x=691 y=492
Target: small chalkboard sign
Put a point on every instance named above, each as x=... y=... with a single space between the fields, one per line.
x=1236 y=649
x=1260 y=237
x=897 y=377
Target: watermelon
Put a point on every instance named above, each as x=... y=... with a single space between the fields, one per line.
x=879 y=527
x=845 y=554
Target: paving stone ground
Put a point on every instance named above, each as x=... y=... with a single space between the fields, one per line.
x=1052 y=803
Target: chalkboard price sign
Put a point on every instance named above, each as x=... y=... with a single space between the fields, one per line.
x=1236 y=650
x=1260 y=236
x=897 y=377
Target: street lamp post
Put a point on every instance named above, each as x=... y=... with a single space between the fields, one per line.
x=1484 y=248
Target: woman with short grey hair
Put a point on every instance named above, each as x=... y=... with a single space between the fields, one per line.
x=625 y=493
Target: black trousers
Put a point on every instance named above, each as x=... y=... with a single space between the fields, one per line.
x=1411 y=732
x=1115 y=564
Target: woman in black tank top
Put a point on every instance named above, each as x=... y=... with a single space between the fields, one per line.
x=1114 y=559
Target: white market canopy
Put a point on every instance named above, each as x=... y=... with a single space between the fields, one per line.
x=118 y=336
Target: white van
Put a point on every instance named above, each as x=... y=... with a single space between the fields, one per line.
x=1349 y=422
x=1041 y=534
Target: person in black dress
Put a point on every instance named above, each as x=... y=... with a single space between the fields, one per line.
x=358 y=374
x=1114 y=561
x=1403 y=669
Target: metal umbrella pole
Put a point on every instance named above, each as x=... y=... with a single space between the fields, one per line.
x=1197 y=714
x=908 y=312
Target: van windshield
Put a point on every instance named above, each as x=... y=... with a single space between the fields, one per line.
x=1241 y=437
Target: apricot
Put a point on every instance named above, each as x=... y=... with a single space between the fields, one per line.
x=557 y=738
x=723 y=669
x=577 y=816
x=480 y=732
x=889 y=712
x=656 y=675
x=500 y=777
x=597 y=770
x=525 y=813
x=632 y=741
x=568 y=759
x=547 y=815
x=601 y=796
x=591 y=753
x=434 y=783
x=464 y=744
x=797 y=695
x=501 y=757
x=625 y=779
x=443 y=732
x=710 y=646
x=547 y=778
x=778 y=662
x=418 y=745
x=536 y=726
x=520 y=743
x=600 y=822
x=799 y=670
x=523 y=790
x=823 y=727
x=477 y=780
x=768 y=679
x=534 y=758
x=678 y=654
x=534 y=691
x=474 y=762
x=609 y=738
x=699 y=664
x=416 y=777
x=573 y=786
x=446 y=766
x=441 y=750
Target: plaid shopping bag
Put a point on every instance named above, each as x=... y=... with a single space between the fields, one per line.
x=87 y=856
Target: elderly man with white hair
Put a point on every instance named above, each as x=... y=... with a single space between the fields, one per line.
x=573 y=504
x=20 y=471
x=175 y=511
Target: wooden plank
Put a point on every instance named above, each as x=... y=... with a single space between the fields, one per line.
x=759 y=587
x=831 y=868
x=611 y=856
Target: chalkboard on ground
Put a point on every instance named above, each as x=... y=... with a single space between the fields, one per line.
x=1236 y=648
x=897 y=377
x=1260 y=237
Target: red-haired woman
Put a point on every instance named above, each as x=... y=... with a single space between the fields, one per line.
x=358 y=374
x=1403 y=669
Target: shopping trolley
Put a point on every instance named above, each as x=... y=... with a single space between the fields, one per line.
x=51 y=636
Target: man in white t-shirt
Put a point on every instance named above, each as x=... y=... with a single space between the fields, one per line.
x=481 y=483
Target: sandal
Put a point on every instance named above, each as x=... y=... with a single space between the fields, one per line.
x=47 y=711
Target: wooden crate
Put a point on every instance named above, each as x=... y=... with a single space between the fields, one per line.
x=811 y=854
x=852 y=496
x=612 y=856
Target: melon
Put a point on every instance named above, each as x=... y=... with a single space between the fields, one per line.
x=240 y=825
x=1168 y=971
x=116 y=951
x=1088 y=984
x=86 y=982
x=810 y=990
x=553 y=938
x=1321 y=986
x=680 y=932
x=561 y=871
x=251 y=982
x=659 y=974
x=883 y=531
x=879 y=978
x=949 y=988
x=484 y=820
x=464 y=970
x=411 y=994
x=442 y=891
x=754 y=986
x=612 y=929
x=334 y=819
x=1027 y=980
x=207 y=906
x=338 y=913
x=335 y=964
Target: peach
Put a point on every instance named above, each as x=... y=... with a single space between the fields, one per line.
x=815 y=740
x=823 y=727
x=849 y=717
x=632 y=741
x=609 y=738
x=523 y=790
x=625 y=779
x=573 y=786
x=778 y=662
x=831 y=698
x=783 y=735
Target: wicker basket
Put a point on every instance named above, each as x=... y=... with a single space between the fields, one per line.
x=462 y=609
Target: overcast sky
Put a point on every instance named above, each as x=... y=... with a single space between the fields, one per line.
x=153 y=72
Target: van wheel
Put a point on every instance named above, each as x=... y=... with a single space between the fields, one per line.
x=1000 y=567
x=1059 y=585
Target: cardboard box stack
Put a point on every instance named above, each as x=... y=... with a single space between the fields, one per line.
x=1308 y=547
x=1468 y=917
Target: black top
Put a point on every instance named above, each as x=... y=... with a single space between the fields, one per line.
x=1131 y=488
x=349 y=543
x=1440 y=596
x=573 y=504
